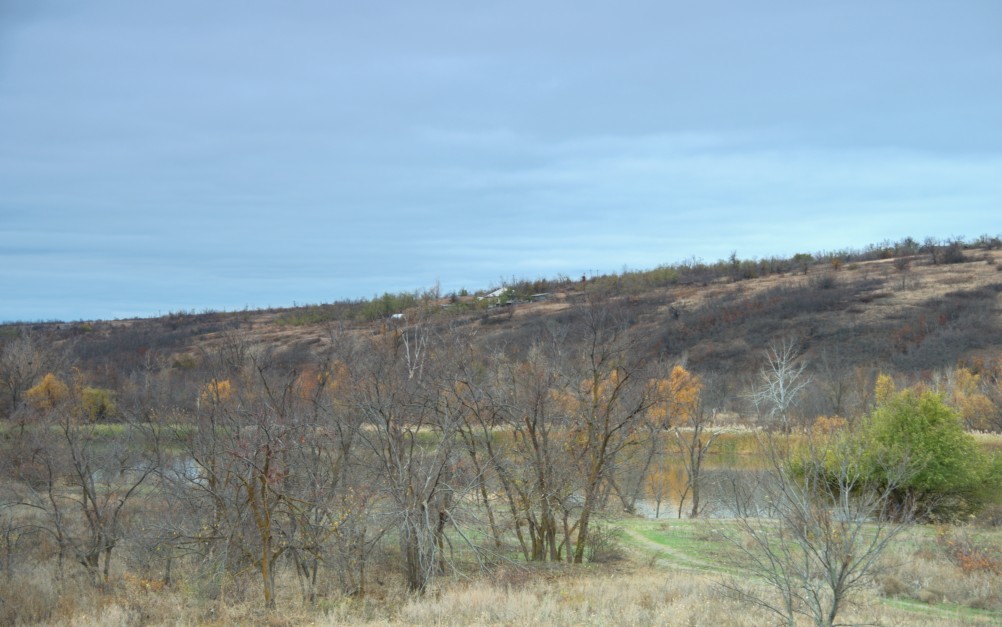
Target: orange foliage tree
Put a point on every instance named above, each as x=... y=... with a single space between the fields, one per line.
x=48 y=393
x=966 y=396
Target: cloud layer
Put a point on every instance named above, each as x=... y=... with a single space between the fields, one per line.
x=176 y=156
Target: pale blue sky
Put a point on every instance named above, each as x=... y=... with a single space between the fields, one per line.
x=191 y=155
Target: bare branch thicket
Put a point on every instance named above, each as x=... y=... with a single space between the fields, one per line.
x=657 y=483
x=992 y=387
x=331 y=501
x=606 y=379
x=469 y=407
x=479 y=395
x=198 y=483
x=23 y=361
x=635 y=463
x=413 y=438
x=234 y=477
x=235 y=451
x=536 y=475
x=274 y=474
x=84 y=482
x=571 y=410
x=23 y=522
x=829 y=526
x=156 y=389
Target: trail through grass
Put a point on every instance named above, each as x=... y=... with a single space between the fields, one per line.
x=698 y=546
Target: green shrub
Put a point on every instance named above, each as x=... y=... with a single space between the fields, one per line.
x=946 y=475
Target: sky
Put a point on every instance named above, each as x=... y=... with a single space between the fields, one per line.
x=191 y=155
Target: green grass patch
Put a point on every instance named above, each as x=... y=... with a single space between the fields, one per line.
x=945 y=610
x=687 y=542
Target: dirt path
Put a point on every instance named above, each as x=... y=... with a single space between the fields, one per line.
x=667 y=556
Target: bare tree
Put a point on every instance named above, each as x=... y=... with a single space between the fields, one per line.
x=693 y=444
x=609 y=393
x=830 y=526
x=673 y=395
x=636 y=461
x=574 y=406
x=902 y=265
x=536 y=474
x=782 y=381
x=835 y=381
x=658 y=482
x=689 y=398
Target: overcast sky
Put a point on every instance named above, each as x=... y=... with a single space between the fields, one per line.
x=159 y=156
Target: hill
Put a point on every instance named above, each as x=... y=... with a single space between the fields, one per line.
x=897 y=309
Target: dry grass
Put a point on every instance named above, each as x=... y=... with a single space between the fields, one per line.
x=641 y=597
x=958 y=567
x=929 y=576
x=626 y=595
x=39 y=596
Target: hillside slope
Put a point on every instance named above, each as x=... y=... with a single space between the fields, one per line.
x=904 y=315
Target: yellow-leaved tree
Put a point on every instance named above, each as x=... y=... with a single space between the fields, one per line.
x=884 y=388
x=48 y=393
x=679 y=398
x=216 y=392
x=966 y=396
